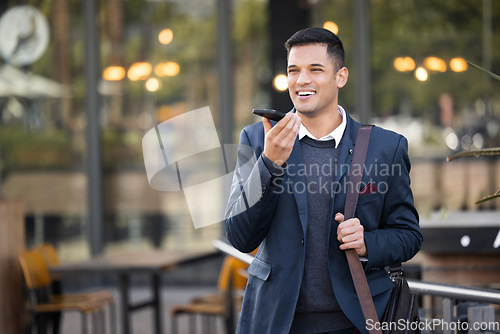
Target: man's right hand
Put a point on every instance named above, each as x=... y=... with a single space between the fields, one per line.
x=280 y=139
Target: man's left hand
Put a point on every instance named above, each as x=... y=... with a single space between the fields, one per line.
x=350 y=234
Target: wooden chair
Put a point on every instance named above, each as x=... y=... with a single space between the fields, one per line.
x=51 y=258
x=44 y=304
x=224 y=304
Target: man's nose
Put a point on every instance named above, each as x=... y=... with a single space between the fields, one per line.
x=304 y=78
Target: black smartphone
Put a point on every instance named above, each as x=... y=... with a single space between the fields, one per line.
x=270 y=114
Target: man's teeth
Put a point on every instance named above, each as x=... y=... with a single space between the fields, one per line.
x=306 y=93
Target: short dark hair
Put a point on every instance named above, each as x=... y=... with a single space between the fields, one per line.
x=334 y=47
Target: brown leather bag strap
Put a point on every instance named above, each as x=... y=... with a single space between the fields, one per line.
x=357 y=272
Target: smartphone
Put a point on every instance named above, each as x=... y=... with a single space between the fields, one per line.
x=270 y=114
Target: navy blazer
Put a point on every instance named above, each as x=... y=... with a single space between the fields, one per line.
x=270 y=212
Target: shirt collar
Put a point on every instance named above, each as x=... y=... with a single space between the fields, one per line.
x=336 y=134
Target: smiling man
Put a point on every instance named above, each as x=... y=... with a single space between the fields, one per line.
x=299 y=281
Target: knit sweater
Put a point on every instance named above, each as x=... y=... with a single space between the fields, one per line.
x=317 y=308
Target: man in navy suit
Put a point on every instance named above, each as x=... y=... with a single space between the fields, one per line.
x=288 y=195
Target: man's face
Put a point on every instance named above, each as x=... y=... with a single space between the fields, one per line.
x=313 y=81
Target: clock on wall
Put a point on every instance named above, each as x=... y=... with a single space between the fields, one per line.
x=24 y=35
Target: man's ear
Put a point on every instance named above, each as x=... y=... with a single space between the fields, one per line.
x=342 y=76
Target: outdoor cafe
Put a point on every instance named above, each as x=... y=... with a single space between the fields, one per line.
x=119 y=129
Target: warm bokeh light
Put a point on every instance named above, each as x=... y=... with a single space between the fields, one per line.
x=458 y=65
x=152 y=84
x=139 y=71
x=435 y=64
x=168 y=69
x=421 y=74
x=332 y=26
x=404 y=64
x=113 y=73
x=166 y=36
x=165 y=112
x=280 y=82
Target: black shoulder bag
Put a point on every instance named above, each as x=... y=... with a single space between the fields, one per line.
x=401 y=313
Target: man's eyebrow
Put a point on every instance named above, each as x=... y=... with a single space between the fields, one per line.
x=312 y=65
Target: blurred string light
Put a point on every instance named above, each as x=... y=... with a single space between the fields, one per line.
x=478 y=141
x=166 y=36
x=139 y=71
x=435 y=64
x=466 y=142
x=167 y=69
x=452 y=141
x=404 y=64
x=332 y=26
x=113 y=73
x=152 y=84
x=458 y=65
x=280 y=82
x=421 y=74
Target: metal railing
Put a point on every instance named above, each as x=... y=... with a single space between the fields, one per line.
x=449 y=293
x=455 y=292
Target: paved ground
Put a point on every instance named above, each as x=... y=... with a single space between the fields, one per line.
x=142 y=320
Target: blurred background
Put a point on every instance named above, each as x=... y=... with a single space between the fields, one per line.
x=81 y=82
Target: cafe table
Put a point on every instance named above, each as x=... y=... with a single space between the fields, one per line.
x=126 y=264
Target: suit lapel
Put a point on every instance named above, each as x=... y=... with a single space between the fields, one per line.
x=297 y=182
x=343 y=166
x=346 y=149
